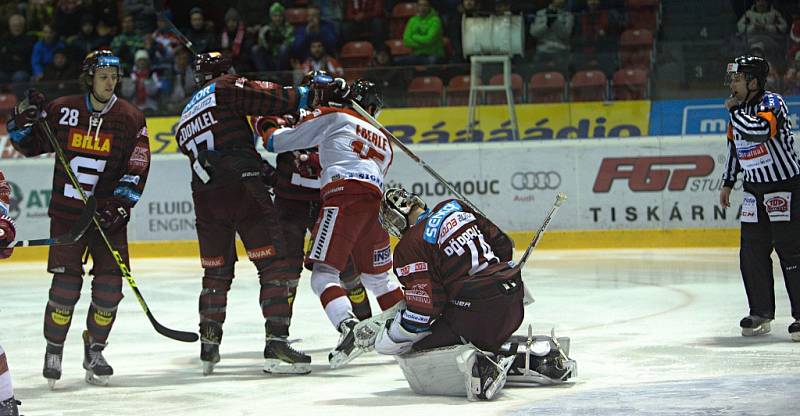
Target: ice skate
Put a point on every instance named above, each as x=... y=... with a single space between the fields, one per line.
x=346 y=349
x=52 y=364
x=98 y=371
x=210 y=338
x=281 y=358
x=753 y=325
x=794 y=330
x=487 y=377
x=9 y=407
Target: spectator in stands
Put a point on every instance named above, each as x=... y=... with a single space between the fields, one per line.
x=142 y=86
x=16 y=52
x=200 y=32
x=392 y=80
x=330 y=11
x=552 y=28
x=105 y=34
x=143 y=12
x=794 y=42
x=315 y=29
x=84 y=41
x=179 y=85
x=7 y=10
x=37 y=14
x=254 y=14
x=105 y=11
x=274 y=41
x=763 y=24
x=161 y=45
x=596 y=37
x=364 y=17
x=467 y=8
x=127 y=43
x=423 y=35
x=59 y=77
x=67 y=18
x=791 y=80
x=43 y=50
x=318 y=59
x=236 y=43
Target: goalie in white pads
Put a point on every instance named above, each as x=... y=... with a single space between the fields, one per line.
x=463 y=302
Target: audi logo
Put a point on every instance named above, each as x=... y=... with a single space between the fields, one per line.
x=529 y=181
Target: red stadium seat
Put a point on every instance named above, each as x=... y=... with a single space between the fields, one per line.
x=458 y=90
x=356 y=54
x=630 y=84
x=636 y=49
x=425 y=92
x=643 y=14
x=396 y=48
x=296 y=16
x=499 y=97
x=401 y=12
x=546 y=87
x=588 y=86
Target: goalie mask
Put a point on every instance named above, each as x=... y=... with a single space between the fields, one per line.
x=396 y=205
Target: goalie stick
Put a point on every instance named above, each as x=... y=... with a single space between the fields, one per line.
x=75 y=233
x=161 y=329
x=560 y=198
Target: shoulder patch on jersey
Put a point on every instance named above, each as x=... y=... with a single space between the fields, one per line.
x=453 y=223
x=419 y=293
x=200 y=101
x=434 y=222
x=770 y=102
x=240 y=82
x=408 y=269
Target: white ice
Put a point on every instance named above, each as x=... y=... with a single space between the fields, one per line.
x=654 y=332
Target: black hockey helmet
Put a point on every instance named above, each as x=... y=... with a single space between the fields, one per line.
x=368 y=95
x=100 y=58
x=754 y=67
x=210 y=65
x=396 y=205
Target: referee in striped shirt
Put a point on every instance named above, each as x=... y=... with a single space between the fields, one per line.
x=761 y=145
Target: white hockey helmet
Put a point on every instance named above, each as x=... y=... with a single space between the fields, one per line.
x=396 y=205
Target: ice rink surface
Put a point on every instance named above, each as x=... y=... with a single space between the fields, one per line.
x=654 y=332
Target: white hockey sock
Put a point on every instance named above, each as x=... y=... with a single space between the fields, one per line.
x=386 y=290
x=325 y=284
x=338 y=309
x=6 y=390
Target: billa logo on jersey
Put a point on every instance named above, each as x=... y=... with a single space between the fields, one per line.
x=79 y=141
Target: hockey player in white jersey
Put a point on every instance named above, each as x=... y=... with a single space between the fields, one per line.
x=354 y=157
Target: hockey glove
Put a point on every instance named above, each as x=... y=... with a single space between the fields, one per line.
x=307 y=164
x=113 y=215
x=8 y=232
x=265 y=125
x=29 y=110
x=333 y=93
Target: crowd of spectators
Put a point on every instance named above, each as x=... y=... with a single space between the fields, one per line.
x=45 y=41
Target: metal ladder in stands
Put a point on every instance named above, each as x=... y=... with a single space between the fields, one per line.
x=476 y=62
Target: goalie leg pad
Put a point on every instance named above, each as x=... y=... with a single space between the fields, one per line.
x=458 y=370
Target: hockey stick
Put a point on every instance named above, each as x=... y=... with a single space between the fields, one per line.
x=181 y=37
x=560 y=198
x=74 y=234
x=414 y=157
x=161 y=329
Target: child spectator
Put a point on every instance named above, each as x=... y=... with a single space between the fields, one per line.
x=43 y=50
x=142 y=86
x=274 y=42
x=423 y=35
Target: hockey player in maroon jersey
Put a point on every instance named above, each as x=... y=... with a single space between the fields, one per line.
x=460 y=287
x=8 y=404
x=105 y=141
x=295 y=182
x=354 y=157
x=230 y=197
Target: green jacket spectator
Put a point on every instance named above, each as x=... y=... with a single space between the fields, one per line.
x=423 y=33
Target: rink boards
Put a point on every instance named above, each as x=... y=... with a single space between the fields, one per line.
x=627 y=192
